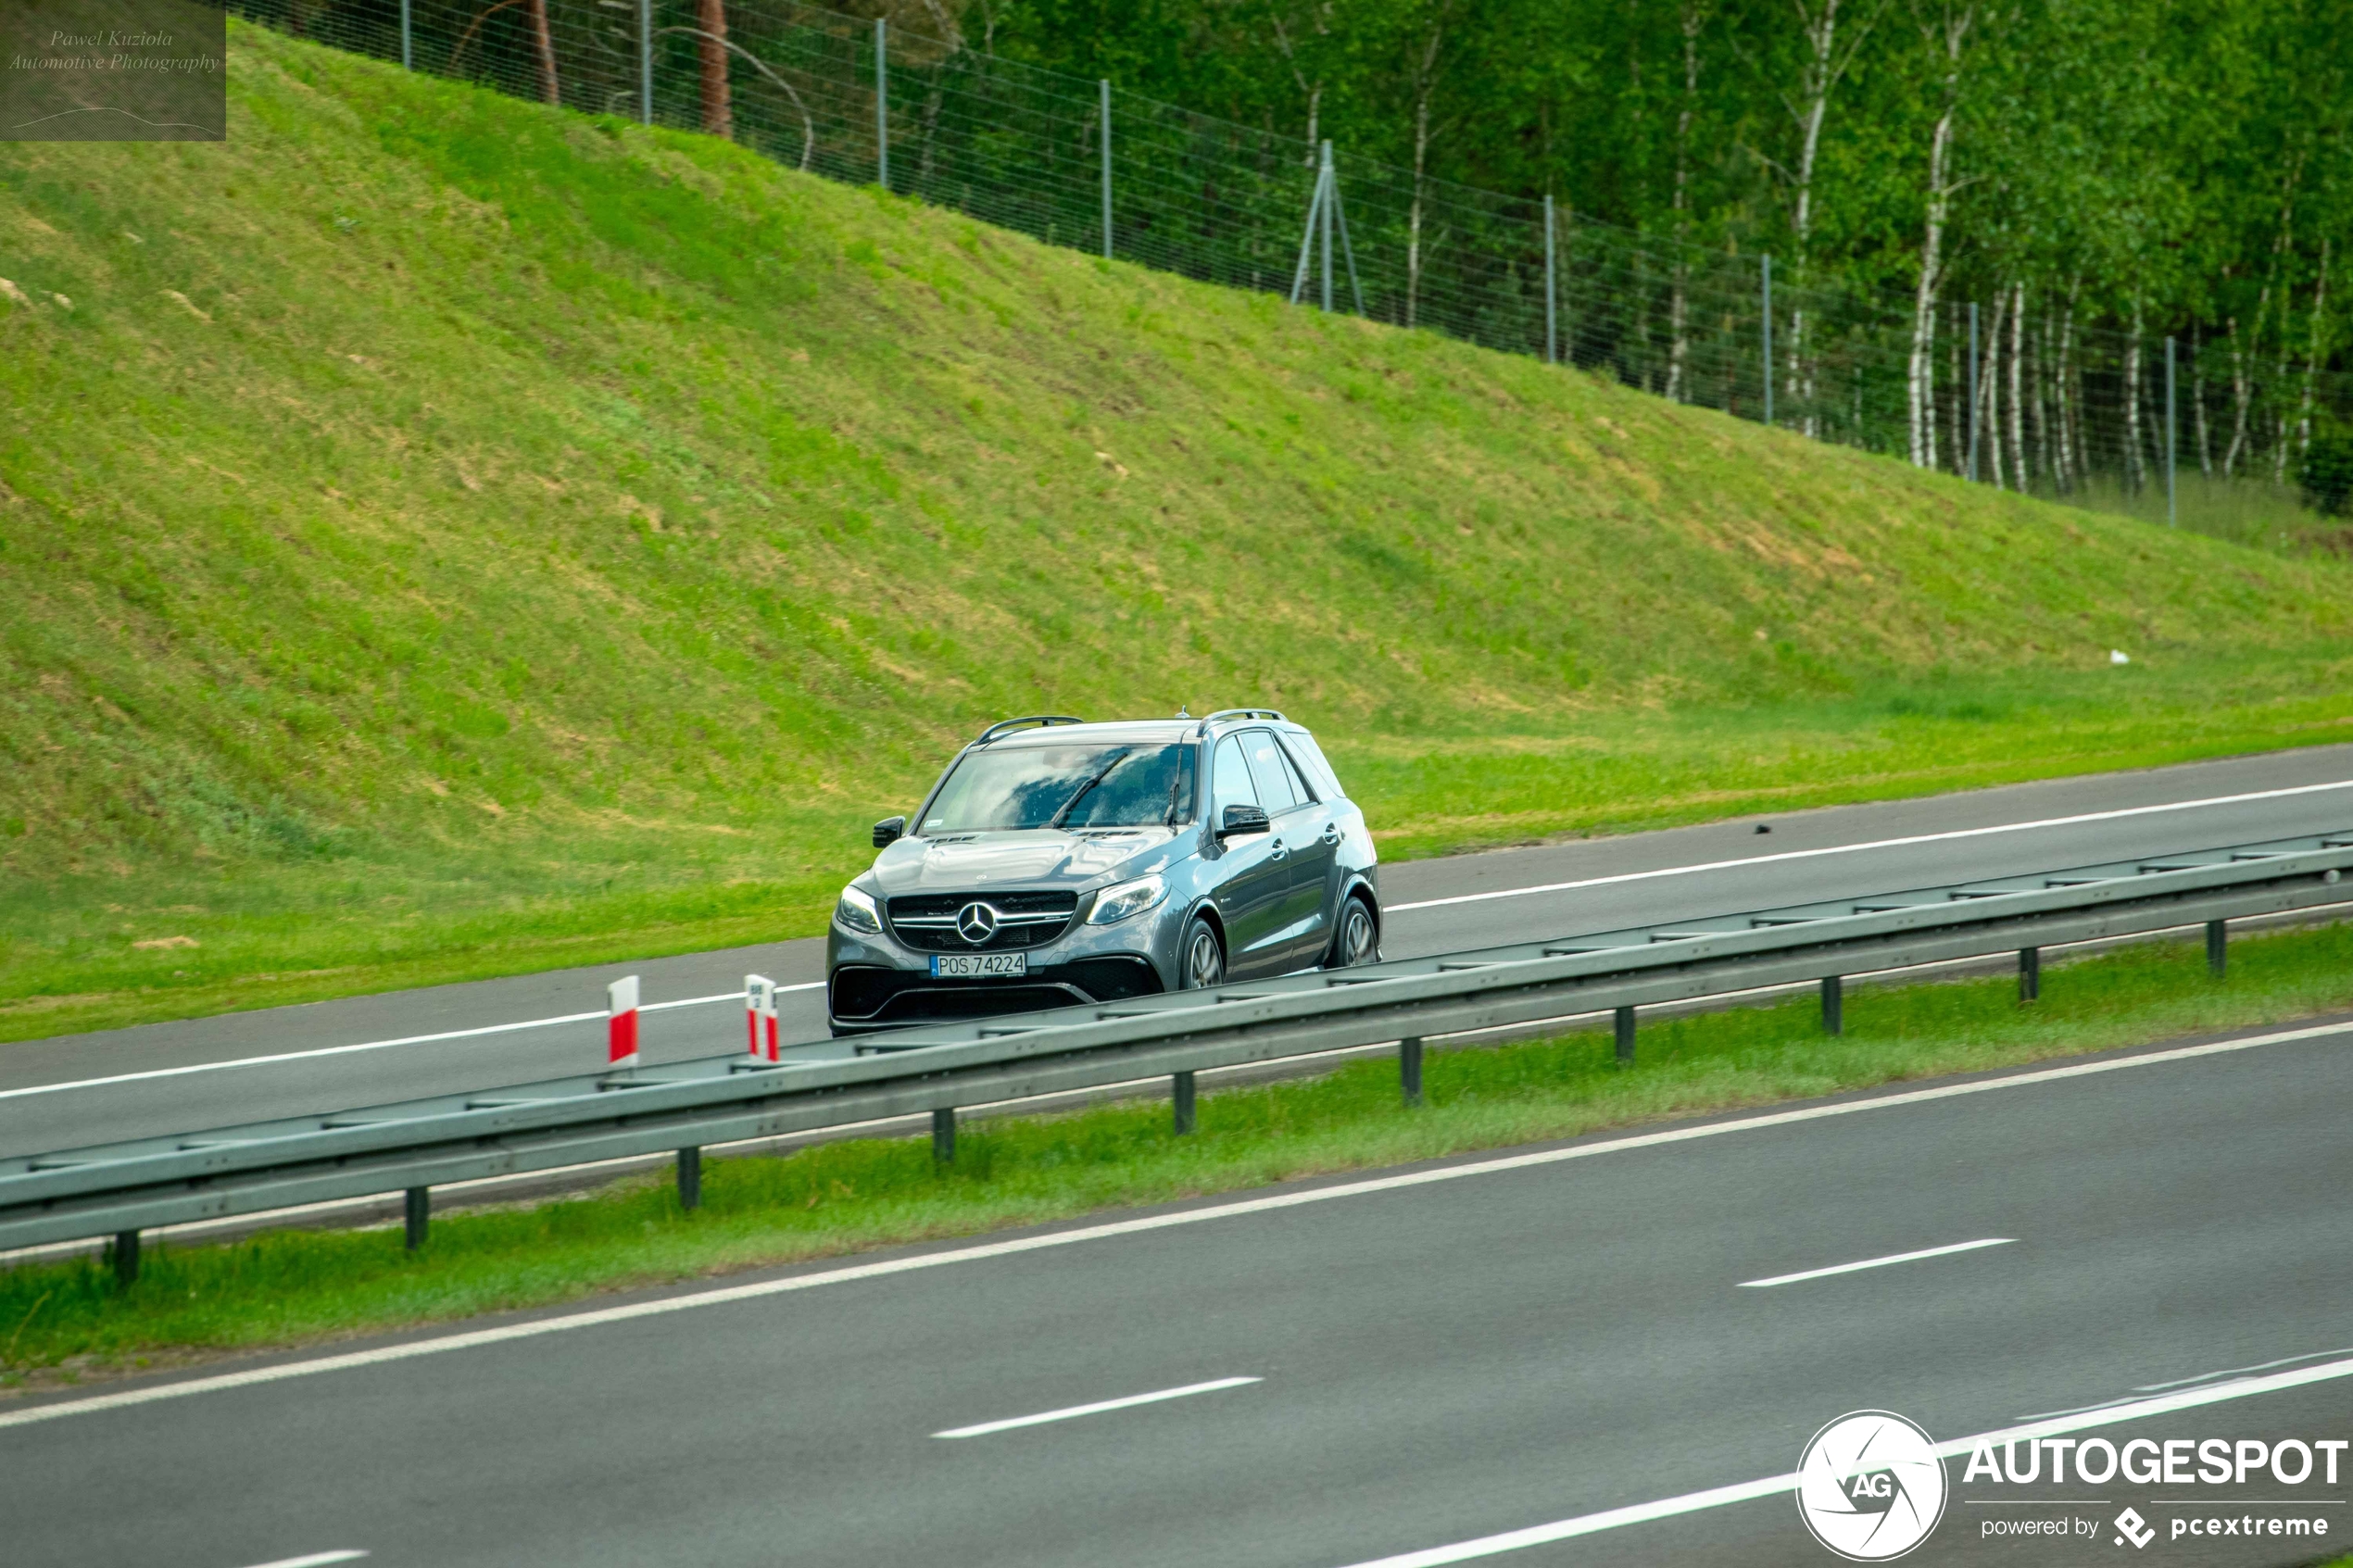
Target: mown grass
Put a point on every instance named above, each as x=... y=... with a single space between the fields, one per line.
x=451 y=537
x=68 y=1319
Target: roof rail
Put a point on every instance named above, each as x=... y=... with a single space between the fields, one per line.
x=1040 y=721
x=1223 y=713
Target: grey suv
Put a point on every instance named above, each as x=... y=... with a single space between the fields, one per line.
x=1059 y=862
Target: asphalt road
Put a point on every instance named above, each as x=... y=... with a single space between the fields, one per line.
x=1436 y=1362
x=1435 y=906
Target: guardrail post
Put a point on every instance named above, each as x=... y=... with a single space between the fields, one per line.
x=943 y=1137
x=125 y=1252
x=690 y=1179
x=1625 y=1025
x=2217 y=946
x=416 y=1214
x=1834 y=1005
x=1181 y=1095
x=1409 y=1071
x=2030 y=973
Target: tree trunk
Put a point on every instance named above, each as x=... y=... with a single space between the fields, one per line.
x=2132 y=468
x=2197 y=406
x=2017 y=413
x=1678 y=348
x=1425 y=82
x=543 y=42
x=2312 y=351
x=1988 y=412
x=1920 y=374
x=2240 y=392
x=711 y=49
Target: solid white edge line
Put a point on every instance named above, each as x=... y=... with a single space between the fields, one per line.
x=1765 y=1487
x=316 y=1560
x=1877 y=1262
x=1876 y=844
x=1127 y=1403
x=1267 y=1204
x=377 y=1045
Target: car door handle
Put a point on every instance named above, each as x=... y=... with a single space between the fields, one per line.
x=1275 y=851
x=1331 y=833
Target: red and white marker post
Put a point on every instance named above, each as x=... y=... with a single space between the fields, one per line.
x=759 y=1015
x=621 y=1025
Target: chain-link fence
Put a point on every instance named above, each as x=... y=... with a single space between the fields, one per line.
x=2018 y=391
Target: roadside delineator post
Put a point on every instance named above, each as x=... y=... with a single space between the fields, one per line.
x=760 y=1016
x=621 y=1024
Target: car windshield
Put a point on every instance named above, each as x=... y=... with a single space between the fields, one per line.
x=1065 y=786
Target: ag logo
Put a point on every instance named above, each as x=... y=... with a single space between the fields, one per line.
x=1870 y=1486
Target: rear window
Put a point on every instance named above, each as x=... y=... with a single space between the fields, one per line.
x=1310 y=758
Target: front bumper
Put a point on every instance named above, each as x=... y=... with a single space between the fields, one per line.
x=874 y=982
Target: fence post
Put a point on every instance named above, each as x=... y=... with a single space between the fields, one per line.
x=1623 y=1021
x=645 y=62
x=126 y=1259
x=882 y=105
x=1409 y=1071
x=407 y=52
x=943 y=1135
x=1972 y=392
x=1834 y=1005
x=2030 y=973
x=1768 y=371
x=1329 y=183
x=690 y=1179
x=2217 y=946
x=1180 y=1094
x=2172 y=433
x=1105 y=85
x=416 y=1214
x=1552 y=330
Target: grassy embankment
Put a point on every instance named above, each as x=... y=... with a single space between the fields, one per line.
x=63 y=1321
x=447 y=537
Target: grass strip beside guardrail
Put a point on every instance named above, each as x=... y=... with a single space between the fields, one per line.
x=63 y=1322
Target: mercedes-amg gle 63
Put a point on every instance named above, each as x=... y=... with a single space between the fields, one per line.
x=1058 y=862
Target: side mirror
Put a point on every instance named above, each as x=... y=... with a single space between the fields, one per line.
x=1240 y=820
x=889 y=830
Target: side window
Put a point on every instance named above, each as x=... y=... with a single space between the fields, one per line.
x=1276 y=790
x=1312 y=762
x=1231 y=781
x=1299 y=782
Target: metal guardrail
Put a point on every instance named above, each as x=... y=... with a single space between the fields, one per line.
x=120 y=1189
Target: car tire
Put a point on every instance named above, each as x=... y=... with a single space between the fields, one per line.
x=1201 y=958
x=1358 y=940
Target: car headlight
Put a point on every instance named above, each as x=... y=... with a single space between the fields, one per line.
x=1128 y=898
x=857 y=912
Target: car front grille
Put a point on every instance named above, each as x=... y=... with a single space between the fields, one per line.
x=927 y=921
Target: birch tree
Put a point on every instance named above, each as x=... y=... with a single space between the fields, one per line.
x=1946 y=33
x=1691 y=15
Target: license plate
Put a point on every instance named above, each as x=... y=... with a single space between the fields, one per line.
x=978 y=966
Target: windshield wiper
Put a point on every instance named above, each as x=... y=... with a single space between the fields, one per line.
x=1071 y=804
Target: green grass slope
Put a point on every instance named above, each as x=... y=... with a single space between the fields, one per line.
x=442 y=536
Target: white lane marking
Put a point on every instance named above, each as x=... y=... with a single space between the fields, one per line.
x=1693 y=1502
x=1877 y=1262
x=316 y=1560
x=377 y=1045
x=985 y=1428
x=1875 y=844
x=725 y=1295
x=2240 y=1371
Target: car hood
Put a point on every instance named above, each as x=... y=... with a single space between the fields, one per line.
x=976 y=862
